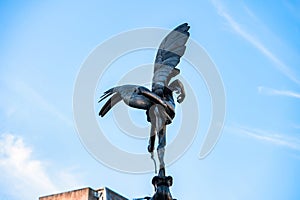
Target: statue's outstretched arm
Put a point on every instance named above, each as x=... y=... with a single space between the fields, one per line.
x=153 y=97
x=157 y=99
x=177 y=86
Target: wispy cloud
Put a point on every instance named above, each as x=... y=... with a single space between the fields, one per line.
x=32 y=96
x=280 y=65
x=296 y=126
x=24 y=176
x=293 y=7
x=271 y=91
x=277 y=139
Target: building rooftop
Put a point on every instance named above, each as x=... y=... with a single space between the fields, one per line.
x=86 y=194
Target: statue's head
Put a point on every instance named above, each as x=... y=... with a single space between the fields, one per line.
x=177 y=87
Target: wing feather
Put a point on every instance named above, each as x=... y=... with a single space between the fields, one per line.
x=116 y=98
x=168 y=56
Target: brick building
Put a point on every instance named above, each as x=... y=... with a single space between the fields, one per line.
x=86 y=194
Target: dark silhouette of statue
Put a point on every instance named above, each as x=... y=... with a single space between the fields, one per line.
x=158 y=103
x=161 y=185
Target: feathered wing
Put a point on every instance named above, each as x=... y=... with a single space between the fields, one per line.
x=133 y=95
x=110 y=102
x=116 y=98
x=168 y=56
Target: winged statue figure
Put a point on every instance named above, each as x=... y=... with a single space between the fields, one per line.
x=157 y=102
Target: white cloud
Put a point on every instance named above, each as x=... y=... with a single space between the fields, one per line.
x=271 y=91
x=277 y=139
x=280 y=65
x=27 y=176
x=24 y=176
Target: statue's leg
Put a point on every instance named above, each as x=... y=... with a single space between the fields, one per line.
x=157 y=122
x=158 y=126
x=161 y=150
x=152 y=138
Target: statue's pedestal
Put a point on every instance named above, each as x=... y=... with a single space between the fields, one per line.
x=161 y=185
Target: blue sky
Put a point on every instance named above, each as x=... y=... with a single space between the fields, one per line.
x=255 y=46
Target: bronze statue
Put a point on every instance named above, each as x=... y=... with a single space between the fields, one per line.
x=158 y=103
